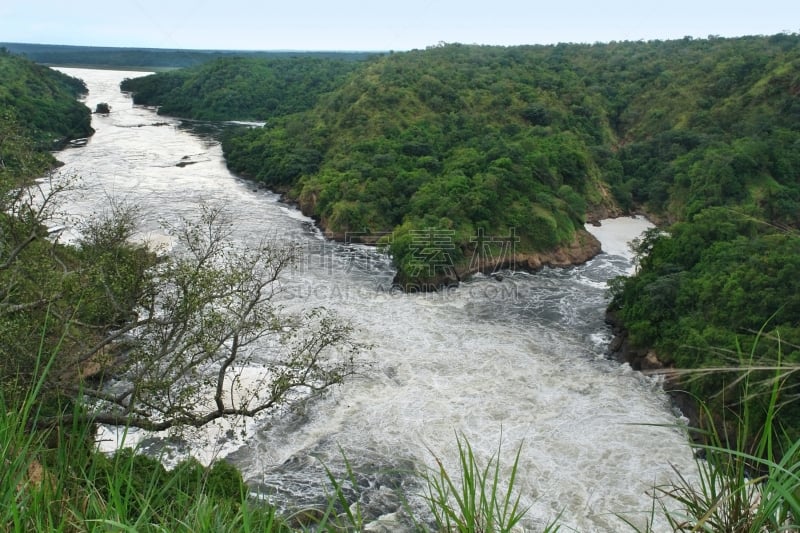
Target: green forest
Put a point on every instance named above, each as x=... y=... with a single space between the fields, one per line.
x=427 y=153
x=67 y=313
x=456 y=142
x=47 y=288
x=41 y=105
x=240 y=88
x=453 y=142
x=129 y=58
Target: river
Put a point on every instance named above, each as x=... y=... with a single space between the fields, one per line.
x=520 y=359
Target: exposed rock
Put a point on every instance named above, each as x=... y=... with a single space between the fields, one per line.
x=385 y=524
x=102 y=108
x=647 y=360
x=601 y=212
x=651 y=362
x=607 y=208
x=436 y=282
x=306 y=517
x=620 y=347
x=582 y=248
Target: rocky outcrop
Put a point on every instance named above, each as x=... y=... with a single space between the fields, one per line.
x=624 y=351
x=583 y=247
x=647 y=360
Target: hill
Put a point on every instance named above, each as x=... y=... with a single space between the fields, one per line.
x=486 y=140
x=461 y=152
x=39 y=109
x=444 y=146
x=151 y=58
x=240 y=88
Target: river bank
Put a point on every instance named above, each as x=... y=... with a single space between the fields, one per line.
x=519 y=362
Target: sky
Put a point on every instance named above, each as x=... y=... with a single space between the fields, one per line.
x=380 y=26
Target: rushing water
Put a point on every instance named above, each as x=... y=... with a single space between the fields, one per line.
x=520 y=358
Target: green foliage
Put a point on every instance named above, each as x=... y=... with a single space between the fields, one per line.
x=240 y=88
x=56 y=481
x=475 y=501
x=459 y=139
x=42 y=102
x=55 y=298
x=485 y=139
x=446 y=146
x=168 y=330
x=143 y=486
x=743 y=484
x=38 y=110
x=703 y=291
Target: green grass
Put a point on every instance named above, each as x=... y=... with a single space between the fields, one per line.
x=742 y=485
x=55 y=480
x=473 y=500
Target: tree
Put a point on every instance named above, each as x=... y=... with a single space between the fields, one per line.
x=154 y=342
x=197 y=331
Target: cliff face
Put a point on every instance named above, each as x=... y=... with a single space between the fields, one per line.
x=583 y=247
x=648 y=361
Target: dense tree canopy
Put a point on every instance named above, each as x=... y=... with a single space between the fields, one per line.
x=240 y=88
x=42 y=104
x=459 y=140
x=107 y=332
x=456 y=142
x=668 y=126
x=475 y=139
x=720 y=291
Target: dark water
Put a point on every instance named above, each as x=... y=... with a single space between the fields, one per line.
x=522 y=357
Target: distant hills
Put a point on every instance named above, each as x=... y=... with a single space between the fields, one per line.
x=154 y=58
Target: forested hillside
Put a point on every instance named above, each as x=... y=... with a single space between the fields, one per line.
x=39 y=105
x=470 y=139
x=55 y=303
x=45 y=288
x=151 y=58
x=241 y=88
x=459 y=142
x=447 y=143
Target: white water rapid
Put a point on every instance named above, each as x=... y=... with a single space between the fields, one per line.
x=522 y=358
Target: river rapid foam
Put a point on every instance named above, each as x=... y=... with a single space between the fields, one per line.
x=518 y=359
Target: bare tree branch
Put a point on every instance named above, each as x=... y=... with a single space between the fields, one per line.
x=202 y=320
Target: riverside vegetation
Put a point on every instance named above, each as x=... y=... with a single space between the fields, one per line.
x=473 y=145
x=166 y=332
x=702 y=135
x=75 y=318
